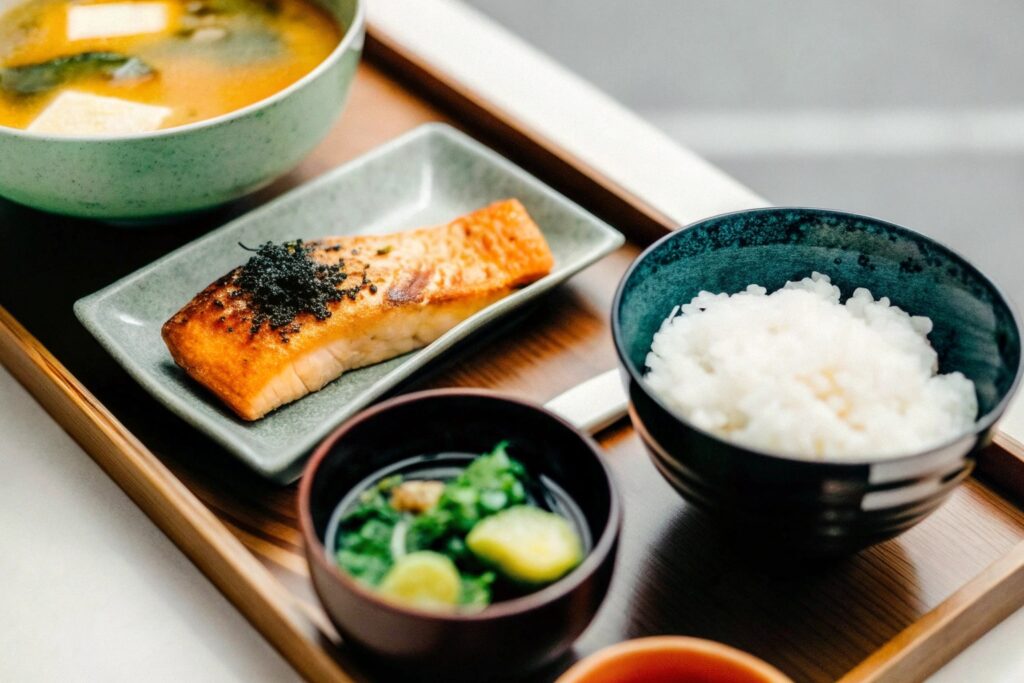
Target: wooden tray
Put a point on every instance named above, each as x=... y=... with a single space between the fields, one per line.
x=895 y=612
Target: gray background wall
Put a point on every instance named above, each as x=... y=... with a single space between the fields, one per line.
x=911 y=110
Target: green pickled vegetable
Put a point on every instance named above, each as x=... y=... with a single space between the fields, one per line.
x=527 y=544
x=489 y=484
x=417 y=549
x=364 y=545
x=30 y=79
x=425 y=579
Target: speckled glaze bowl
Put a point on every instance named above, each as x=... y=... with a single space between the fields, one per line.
x=815 y=508
x=148 y=176
x=510 y=637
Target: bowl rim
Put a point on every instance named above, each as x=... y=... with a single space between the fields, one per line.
x=674 y=645
x=353 y=32
x=981 y=424
x=316 y=551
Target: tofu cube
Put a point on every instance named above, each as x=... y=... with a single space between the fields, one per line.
x=116 y=19
x=77 y=113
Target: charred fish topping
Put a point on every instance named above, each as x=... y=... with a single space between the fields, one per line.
x=283 y=281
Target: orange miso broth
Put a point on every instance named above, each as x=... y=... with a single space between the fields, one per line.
x=191 y=59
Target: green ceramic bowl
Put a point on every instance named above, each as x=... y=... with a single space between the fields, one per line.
x=197 y=166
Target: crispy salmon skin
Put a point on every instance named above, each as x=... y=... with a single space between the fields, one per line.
x=373 y=297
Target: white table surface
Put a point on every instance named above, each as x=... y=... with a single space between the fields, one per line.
x=91 y=590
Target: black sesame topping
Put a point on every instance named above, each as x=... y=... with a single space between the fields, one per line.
x=282 y=281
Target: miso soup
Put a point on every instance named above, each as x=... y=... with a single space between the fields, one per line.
x=120 y=66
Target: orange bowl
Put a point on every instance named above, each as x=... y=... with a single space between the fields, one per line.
x=672 y=659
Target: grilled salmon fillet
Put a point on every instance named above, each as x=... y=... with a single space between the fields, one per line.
x=393 y=294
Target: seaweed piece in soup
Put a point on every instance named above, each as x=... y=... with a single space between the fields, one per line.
x=231 y=31
x=202 y=8
x=30 y=79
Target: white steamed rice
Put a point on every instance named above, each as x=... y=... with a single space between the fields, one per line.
x=797 y=372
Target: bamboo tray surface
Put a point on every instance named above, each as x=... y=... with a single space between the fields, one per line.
x=675 y=573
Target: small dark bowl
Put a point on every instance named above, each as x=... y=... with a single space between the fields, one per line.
x=815 y=508
x=508 y=637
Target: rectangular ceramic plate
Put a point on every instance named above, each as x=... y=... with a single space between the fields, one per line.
x=426 y=177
